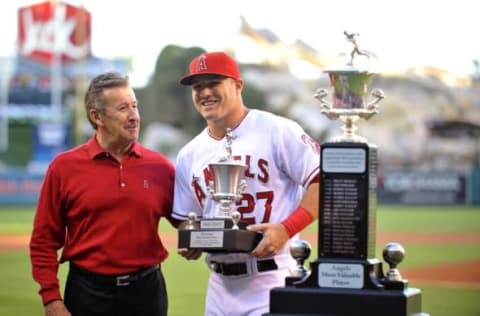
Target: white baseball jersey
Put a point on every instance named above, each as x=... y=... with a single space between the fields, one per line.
x=281 y=161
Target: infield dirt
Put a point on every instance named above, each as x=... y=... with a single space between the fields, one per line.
x=455 y=274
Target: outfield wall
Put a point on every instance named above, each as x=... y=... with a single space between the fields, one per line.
x=18 y=187
x=422 y=188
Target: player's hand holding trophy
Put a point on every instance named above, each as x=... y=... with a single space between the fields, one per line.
x=224 y=232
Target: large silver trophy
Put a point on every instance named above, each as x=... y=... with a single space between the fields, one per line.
x=224 y=231
x=346 y=269
x=350 y=84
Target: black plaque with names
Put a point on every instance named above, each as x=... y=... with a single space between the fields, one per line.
x=348 y=201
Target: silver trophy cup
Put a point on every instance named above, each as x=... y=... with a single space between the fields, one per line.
x=227 y=185
x=349 y=85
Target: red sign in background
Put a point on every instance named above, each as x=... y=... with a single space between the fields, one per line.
x=48 y=28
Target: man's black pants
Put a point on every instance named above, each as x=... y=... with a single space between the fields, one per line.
x=141 y=294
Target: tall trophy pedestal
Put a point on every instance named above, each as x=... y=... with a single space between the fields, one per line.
x=346 y=302
x=346 y=279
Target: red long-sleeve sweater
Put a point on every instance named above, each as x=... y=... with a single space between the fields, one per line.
x=103 y=213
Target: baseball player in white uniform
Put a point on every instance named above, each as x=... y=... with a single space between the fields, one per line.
x=282 y=186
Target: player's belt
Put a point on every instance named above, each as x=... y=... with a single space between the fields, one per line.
x=239 y=268
x=113 y=280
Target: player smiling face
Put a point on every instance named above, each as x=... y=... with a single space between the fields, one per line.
x=218 y=99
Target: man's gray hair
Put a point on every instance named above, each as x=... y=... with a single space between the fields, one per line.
x=94 y=98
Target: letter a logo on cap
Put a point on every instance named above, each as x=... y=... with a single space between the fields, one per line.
x=202 y=64
x=219 y=63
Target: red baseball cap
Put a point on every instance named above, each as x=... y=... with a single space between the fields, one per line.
x=214 y=63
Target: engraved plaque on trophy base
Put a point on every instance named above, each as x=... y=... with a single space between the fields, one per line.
x=342 y=273
x=220 y=223
x=219 y=240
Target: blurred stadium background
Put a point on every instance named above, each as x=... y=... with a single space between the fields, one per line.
x=428 y=131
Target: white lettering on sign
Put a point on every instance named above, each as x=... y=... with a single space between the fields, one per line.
x=409 y=181
x=340 y=275
x=52 y=35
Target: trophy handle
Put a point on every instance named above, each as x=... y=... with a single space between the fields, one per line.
x=241 y=187
x=321 y=95
x=211 y=187
x=379 y=96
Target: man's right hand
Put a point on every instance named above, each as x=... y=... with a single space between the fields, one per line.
x=187 y=253
x=190 y=254
x=56 y=308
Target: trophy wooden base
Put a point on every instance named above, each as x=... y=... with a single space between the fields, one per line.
x=218 y=240
x=294 y=301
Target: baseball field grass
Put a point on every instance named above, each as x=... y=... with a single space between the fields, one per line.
x=442 y=259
